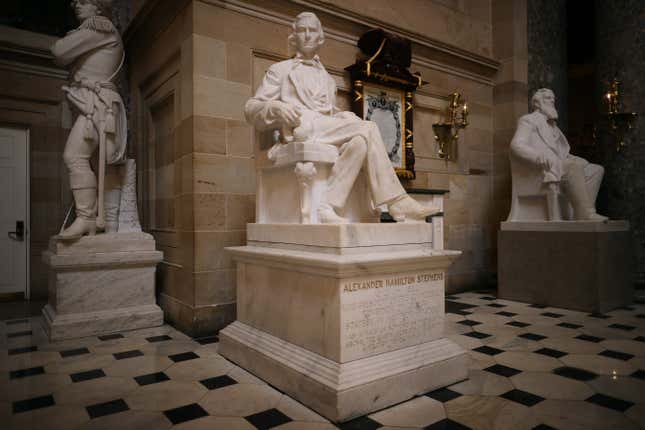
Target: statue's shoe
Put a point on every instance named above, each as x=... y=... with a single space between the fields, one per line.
x=592 y=215
x=79 y=227
x=408 y=209
x=327 y=215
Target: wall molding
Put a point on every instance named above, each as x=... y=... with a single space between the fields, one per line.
x=436 y=55
x=27 y=52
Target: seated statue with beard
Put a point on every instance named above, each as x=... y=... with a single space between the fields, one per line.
x=539 y=144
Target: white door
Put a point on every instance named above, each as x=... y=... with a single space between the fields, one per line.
x=14 y=197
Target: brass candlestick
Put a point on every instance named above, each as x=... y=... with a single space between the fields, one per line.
x=619 y=122
x=447 y=133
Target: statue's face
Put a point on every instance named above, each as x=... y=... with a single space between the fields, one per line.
x=547 y=105
x=84 y=9
x=308 y=36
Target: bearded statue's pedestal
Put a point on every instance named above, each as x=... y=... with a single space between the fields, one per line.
x=345 y=318
x=101 y=284
x=579 y=265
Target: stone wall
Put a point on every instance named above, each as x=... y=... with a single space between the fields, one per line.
x=620 y=44
x=192 y=69
x=39 y=109
x=547 y=49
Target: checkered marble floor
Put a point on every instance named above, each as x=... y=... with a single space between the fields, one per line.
x=532 y=367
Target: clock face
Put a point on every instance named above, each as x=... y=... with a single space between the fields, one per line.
x=385 y=108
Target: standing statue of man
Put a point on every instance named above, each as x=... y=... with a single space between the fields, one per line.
x=298 y=97
x=539 y=142
x=94 y=52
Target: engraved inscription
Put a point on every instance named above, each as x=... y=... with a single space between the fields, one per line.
x=384 y=314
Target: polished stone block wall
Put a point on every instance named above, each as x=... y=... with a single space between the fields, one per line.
x=39 y=109
x=620 y=44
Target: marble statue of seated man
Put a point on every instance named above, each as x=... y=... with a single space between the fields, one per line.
x=297 y=97
x=540 y=146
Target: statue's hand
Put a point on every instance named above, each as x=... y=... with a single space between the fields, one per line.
x=543 y=162
x=288 y=115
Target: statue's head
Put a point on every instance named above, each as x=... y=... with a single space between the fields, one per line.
x=88 y=8
x=307 y=34
x=543 y=100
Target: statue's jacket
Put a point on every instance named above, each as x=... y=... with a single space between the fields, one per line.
x=95 y=52
x=534 y=138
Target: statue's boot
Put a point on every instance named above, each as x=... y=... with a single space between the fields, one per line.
x=84 y=191
x=327 y=215
x=407 y=209
x=576 y=186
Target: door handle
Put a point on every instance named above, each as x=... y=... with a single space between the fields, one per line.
x=19 y=234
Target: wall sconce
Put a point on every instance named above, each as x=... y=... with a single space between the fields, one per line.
x=447 y=133
x=619 y=122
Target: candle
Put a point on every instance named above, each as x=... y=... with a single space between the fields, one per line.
x=609 y=102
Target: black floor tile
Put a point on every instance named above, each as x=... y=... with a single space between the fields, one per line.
x=489 y=350
x=518 y=324
x=640 y=338
x=19 y=334
x=640 y=301
x=183 y=356
x=110 y=336
x=640 y=316
x=506 y=314
x=532 y=336
x=74 y=352
x=107 y=408
x=206 y=340
x=522 y=397
x=161 y=338
x=151 y=378
x=616 y=354
x=551 y=315
x=600 y=316
x=502 y=370
x=543 y=427
x=87 y=375
x=451 y=297
x=23 y=350
x=128 y=354
x=610 y=402
x=463 y=313
x=20 y=321
x=443 y=395
x=185 y=413
x=588 y=338
x=640 y=374
x=477 y=335
x=268 y=419
x=489 y=298
x=218 y=382
x=469 y=323
x=569 y=325
x=447 y=424
x=622 y=327
x=452 y=307
x=496 y=305
x=551 y=352
x=537 y=306
x=575 y=373
x=362 y=423
x=23 y=373
x=33 y=403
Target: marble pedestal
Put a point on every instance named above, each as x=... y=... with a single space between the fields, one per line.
x=347 y=319
x=101 y=284
x=579 y=265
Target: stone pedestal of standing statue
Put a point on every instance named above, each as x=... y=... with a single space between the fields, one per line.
x=99 y=283
x=554 y=249
x=337 y=310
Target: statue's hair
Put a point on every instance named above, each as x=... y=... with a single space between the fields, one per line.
x=538 y=96
x=105 y=6
x=298 y=18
